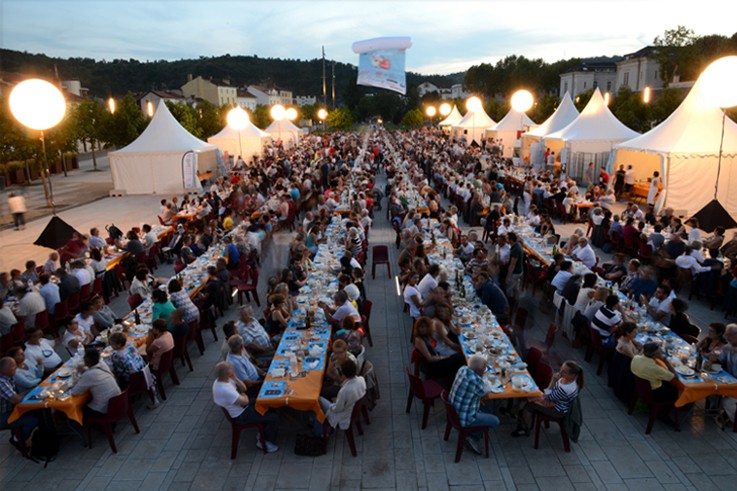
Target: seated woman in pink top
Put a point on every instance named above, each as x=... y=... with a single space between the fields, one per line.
x=159 y=342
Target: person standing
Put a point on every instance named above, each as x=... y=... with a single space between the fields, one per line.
x=654 y=188
x=17 y=206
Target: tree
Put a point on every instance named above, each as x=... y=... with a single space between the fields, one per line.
x=209 y=119
x=186 y=116
x=89 y=118
x=544 y=107
x=582 y=99
x=629 y=108
x=340 y=118
x=261 y=116
x=673 y=54
x=413 y=118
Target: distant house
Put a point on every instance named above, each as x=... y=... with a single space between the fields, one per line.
x=456 y=91
x=639 y=70
x=587 y=76
x=426 y=88
x=154 y=96
x=218 y=92
x=246 y=100
x=305 y=100
x=272 y=95
x=73 y=93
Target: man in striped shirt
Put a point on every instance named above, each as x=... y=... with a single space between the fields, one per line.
x=606 y=319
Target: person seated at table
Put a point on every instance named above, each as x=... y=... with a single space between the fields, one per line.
x=181 y=300
x=30 y=304
x=339 y=353
x=256 y=339
x=79 y=269
x=565 y=271
x=142 y=284
x=492 y=296
x=352 y=388
x=727 y=357
x=659 y=305
x=124 y=359
x=86 y=319
x=352 y=334
x=97 y=378
x=73 y=249
x=9 y=397
x=557 y=398
x=465 y=396
x=714 y=339
x=230 y=394
x=159 y=342
x=134 y=244
x=644 y=282
x=245 y=370
x=585 y=253
x=39 y=347
x=653 y=366
x=278 y=315
x=103 y=315
x=342 y=309
x=29 y=372
x=176 y=325
x=30 y=273
x=437 y=366
x=7 y=318
x=161 y=307
x=607 y=319
x=186 y=254
x=679 y=320
x=74 y=336
x=627 y=344
x=98 y=263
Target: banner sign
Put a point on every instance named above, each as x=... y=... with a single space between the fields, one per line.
x=189 y=170
x=381 y=63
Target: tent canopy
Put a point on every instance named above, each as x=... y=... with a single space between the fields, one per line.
x=452 y=118
x=284 y=130
x=247 y=142
x=595 y=123
x=513 y=121
x=564 y=115
x=475 y=119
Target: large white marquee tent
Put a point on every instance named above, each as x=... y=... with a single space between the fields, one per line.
x=531 y=148
x=285 y=131
x=473 y=125
x=685 y=150
x=451 y=119
x=154 y=162
x=247 y=142
x=508 y=130
x=589 y=138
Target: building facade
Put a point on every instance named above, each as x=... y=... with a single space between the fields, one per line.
x=589 y=76
x=270 y=96
x=218 y=92
x=154 y=96
x=639 y=70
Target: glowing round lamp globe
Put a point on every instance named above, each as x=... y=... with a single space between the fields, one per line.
x=522 y=101
x=431 y=111
x=37 y=104
x=237 y=118
x=445 y=109
x=322 y=114
x=718 y=82
x=291 y=114
x=278 y=112
x=473 y=104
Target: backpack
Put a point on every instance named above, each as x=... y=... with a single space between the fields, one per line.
x=44 y=445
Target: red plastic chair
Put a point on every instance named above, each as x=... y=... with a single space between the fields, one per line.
x=42 y=322
x=179 y=266
x=380 y=255
x=453 y=421
x=73 y=302
x=542 y=375
x=355 y=422
x=117 y=408
x=137 y=386
x=543 y=418
x=645 y=252
x=236 y=429
x=249 y=287
x=425 y=390
x=196 y=335
x=85 y=292
x=181 y=353
x=166 y=364
x=97 y=288
x=550 y=336
x=61 y=311
x=366 y=318
x=533 y=359
x=597 y=345
x=644 y=392
x=134 y=301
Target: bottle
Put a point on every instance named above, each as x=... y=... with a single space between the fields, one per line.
x=293 y=368
x=308 y=320
x=80 y=351
x=137 y=317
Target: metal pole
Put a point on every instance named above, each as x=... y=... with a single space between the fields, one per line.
x=48 y=175
x=721 y=146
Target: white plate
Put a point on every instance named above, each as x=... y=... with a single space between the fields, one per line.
x=64 y=373
x=685 y=371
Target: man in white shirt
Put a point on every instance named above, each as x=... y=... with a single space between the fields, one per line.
x=230 y=394
x=343 y=308
x=585 y=253
x=30 y=303
x=659 y=306
x=80 y=272
x=149 y=237
x=429 y=282
x=629 y=179
x=690 y=260
x=412 y=297
x=38 y=347
x=562 y=277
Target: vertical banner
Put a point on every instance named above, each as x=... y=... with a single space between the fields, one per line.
x=381 y=63
x=189 y=170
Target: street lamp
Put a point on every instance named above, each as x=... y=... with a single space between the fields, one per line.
x=278 y=113
x=445 y=109
x=322 y=115
x=291 y=114
x=238 y=120
x=111 y=105
x=39 y=105
x=431 y=111
x=522 y=101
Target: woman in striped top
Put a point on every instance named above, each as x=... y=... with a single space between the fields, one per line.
x=556 y=400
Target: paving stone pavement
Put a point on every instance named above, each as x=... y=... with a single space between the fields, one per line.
x=184 y=444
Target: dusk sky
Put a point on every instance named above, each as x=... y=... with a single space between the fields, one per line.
x=447 y=36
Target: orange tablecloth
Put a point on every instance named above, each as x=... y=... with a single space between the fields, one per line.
x=342 y=212
x=303 y=392
x=697 y=391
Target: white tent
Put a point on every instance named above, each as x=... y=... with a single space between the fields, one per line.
x=685 y=150
x=589 y=138
x=453 y=118
x=155 y=162
x=247 y=142
x=564 y=114
x=472 y=126
x=285 y=131
x=508 y=130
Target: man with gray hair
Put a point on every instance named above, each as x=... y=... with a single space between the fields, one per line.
x=244 y=369
x=465 y=396
x=230 y=394
x=9 y=397
x=728 y=359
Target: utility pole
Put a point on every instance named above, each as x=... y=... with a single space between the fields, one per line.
x=333 y=65
x=324 y=82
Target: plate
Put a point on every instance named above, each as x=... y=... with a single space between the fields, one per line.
x=469 y=335
x=685 y=371
x=64 y=373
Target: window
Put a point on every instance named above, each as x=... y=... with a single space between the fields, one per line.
x=596 y=84
x=626 y=80
x=584 y=85
x=565 y=87
x=609 y=86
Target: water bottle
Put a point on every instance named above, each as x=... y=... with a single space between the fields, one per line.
x=293 y=368
x=80 y=351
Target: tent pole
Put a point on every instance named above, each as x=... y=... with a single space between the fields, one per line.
x=719 y=161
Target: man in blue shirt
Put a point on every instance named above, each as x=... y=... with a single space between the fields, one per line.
x=231 y=252
x=465 y=396
x=492 y=296
x=244 y=369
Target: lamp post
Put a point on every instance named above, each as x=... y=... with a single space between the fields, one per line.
x=238 y=120
x=39 y=105
x=278 y=113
